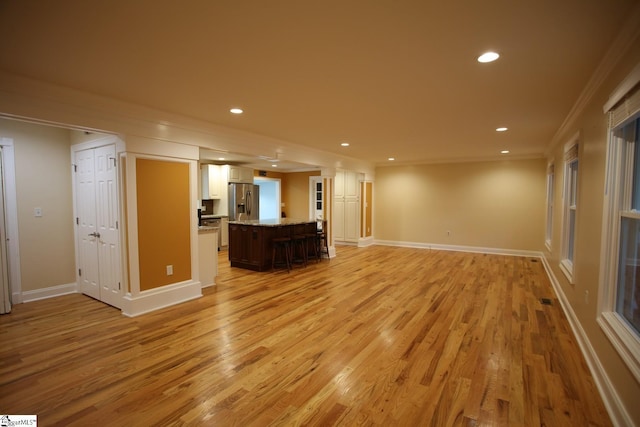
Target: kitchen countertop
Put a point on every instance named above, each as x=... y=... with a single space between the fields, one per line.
x=213 y=216
x=273 y=222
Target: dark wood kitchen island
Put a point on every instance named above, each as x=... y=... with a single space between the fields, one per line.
x=250 y=242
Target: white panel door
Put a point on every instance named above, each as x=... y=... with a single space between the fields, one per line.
x=96 y=206
x=107 y=225
x=86 y=221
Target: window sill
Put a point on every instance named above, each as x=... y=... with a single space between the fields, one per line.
x=624 y=340
x=567 y=269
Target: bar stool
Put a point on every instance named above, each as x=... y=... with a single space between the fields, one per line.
x=298 y=249
x=282 y=245
x=312 y=241
x=323 y=243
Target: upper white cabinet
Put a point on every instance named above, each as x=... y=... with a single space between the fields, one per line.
x=212 y=185
x=240 y=174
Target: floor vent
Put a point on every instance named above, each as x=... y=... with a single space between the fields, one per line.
x=545 y=301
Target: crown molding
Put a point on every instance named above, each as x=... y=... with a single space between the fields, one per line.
x=628 y=34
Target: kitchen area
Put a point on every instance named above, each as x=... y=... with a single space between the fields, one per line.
x=245 y=208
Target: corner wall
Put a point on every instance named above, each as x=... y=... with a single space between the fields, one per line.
x=497 y=205
x=43 y=179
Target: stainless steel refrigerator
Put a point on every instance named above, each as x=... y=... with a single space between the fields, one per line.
x=244 y=202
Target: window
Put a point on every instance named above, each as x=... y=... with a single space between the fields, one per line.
x=619 y=303
x=550 y=194
x=570 y=204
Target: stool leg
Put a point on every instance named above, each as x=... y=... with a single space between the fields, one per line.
x=287 y=249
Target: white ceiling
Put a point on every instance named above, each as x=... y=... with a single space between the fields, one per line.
x=393 y=78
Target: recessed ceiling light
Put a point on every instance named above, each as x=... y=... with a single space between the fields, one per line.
x=345 y=144
x=501 y=129
x=488 y=57
x=504 y=152
x=391 y=159
x=274 y=166
x=220 y=158
x=236 y=111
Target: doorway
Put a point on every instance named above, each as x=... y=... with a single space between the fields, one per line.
x=9 y=247
x=97 y=239
x=269 y=197
x=316 y=198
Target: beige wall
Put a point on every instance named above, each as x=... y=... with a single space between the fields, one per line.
x=485 y=204
x=592 y=128
x=295 y=194
x=43 y=179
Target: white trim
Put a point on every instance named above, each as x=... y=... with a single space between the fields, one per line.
x=566 y=266
x=569 y=192
x=617 y=195
x=623 y=339
x=165 y=296
x=610 y=397
x=364 y=242
x=11 y=214
x=50 y=292
x=457 y=248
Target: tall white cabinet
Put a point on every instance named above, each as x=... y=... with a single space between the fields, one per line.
x=346 y=206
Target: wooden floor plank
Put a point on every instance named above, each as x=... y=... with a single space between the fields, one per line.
x=377 y=336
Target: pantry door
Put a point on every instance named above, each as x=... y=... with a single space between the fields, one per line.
x=97 y=222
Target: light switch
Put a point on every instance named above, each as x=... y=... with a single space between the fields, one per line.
x=37 y=212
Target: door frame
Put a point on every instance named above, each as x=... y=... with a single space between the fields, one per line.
x=313 y=180
x=11 y=219
x=258 y=180
x=101 y=141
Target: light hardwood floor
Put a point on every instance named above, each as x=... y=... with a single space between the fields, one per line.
x=377 y=336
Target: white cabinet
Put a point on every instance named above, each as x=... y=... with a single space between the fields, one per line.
x=240 y=174
x=224 y=232
x=208 y=257
x=211 y=182
x=346 y=206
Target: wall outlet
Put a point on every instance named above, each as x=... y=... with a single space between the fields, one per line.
x=37 y=212
x=169 y=270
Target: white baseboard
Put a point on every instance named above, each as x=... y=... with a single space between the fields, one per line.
x=50 y=292
x=457 y=248
x=615 y=408
x=366 y=241
x=162 y=297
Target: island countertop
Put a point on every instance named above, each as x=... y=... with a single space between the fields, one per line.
x=277 y=222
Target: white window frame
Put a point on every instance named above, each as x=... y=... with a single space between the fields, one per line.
x=569 y=206
x=623 y=108
x=550 y=195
